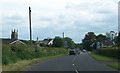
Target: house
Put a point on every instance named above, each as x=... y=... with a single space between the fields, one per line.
x=17 y=42
x=50 y=42
x=107 y=43
x=14 y=39
x=96 y=45
x=37 y=42
x=47 y=42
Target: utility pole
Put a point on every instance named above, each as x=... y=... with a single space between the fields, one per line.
x=63 y=35
x=30 y=25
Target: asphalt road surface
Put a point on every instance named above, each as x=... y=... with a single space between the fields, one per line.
x=81 y=62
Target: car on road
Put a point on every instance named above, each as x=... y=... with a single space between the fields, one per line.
x=74 y=51
x=84 y=50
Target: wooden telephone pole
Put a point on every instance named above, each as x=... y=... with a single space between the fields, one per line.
x=30 y=25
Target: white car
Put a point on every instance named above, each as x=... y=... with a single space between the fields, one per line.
x=84 y=50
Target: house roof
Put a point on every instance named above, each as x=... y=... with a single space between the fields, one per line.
x=46 y=41
x=108 y=43
x=17 y=42
x=10 y=41
x=6 y=40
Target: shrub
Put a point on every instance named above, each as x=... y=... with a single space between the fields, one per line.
x=110 y=52
x=14 y=53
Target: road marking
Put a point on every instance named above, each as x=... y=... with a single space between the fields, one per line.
x=74 y=64
x=74 y=59
x=76 y=71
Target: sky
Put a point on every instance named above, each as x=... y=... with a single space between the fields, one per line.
x=51 y=18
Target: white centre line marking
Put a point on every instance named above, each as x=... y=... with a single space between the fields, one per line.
x=76 y=71
x=74 y=64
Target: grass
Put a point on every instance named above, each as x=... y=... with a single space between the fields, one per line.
x=111 y=62
x=102 y=58
x=114 y=65
x=18 y=57
x=21 y=65
x=13 y=53
x=0 y=68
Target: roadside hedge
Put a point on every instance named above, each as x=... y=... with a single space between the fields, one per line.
x=110 y=52
x=14 y=53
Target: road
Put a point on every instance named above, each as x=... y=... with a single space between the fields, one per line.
x=81 y=62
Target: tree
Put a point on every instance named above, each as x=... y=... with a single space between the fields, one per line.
x=70 y=42
x=79 y=45
x=89 y=38
x=101 y=37
x=118 y=39
x=58 y=42
x=86 y=45
x=111 y=35
x=108 y=35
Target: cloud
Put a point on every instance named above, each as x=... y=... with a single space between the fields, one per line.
x=52 y=17
x=119 y=16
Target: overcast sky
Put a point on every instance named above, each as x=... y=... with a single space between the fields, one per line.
x=52 y=17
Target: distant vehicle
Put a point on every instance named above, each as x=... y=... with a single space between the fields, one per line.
x=74 y=51
x=84 y=50
x=77 y=50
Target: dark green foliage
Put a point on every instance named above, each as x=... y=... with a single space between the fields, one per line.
x=14 y=53
x=86 y=45
x=22 y=51
x=101 y=38
x=6 y=55
x=110 y=52
x=70 y=42
x=89 y=38
x=58 y=42
x=42 y=44
x=118 y=40
x=79 y=46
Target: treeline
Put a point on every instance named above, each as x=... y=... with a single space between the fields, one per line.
x=14 y=53
x=109 y=51
x=91 y=38
x=63 y=42
x=118 y=40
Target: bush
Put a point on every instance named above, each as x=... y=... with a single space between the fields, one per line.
x=14 y=53
x=110 y=52
x=57 y=42
x=6 y=56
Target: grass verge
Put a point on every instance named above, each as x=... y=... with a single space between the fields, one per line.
x=21 y=65
x=111 y=62
x=102 y=58
x=114 y=65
